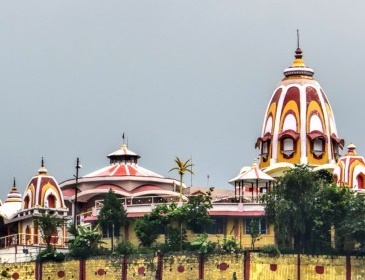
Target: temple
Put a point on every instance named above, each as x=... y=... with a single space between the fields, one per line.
x=298 y=128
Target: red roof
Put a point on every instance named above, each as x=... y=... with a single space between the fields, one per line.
x=130 y=169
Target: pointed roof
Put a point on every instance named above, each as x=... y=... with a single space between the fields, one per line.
x=123 y=155
x=13 y=203
x=123 y=162
x=253 y=175
x=14 y=195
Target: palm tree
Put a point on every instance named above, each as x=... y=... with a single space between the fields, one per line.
x=182 y=167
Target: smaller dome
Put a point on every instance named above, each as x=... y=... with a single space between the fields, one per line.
x=351 y=150
x=350 y=169
x=41 y=189
x=12 y=205
x=14 y=195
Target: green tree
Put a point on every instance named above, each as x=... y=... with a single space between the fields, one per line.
x=84 y=241
x=353 y=225
x=147 y=227
x=300 y=208
x=182 y=167
x=49 y=223
x=254 y=232
x=112 y=215
x=194 y=214
x=197 y=211
x=330 y=211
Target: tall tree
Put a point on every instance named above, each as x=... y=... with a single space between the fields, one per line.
x=182 y=167
x=292 y=206
x=49 y=223
x=112 y=215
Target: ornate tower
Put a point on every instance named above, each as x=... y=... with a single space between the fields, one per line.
x=299 y=125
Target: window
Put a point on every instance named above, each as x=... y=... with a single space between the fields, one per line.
x=261 y=223
x=26 y=202
x=318 y=147
x=107 y=233
x=288 y=147
x=51 y=199
x=336 y=150
x=265 y=150
x=217 y=227
x=360 y=182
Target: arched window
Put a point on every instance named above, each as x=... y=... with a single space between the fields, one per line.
x=288 y=147
x=28 y=236
x=318 y=147
x=360 y=181
x=265 y=150
x=26 y=202
x=51 y=199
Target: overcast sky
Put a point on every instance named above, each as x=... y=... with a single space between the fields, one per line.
x=187 y=78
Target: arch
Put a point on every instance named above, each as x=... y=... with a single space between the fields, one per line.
x=28 y=235
x=26 y=202
x=51 y=200
x=315 y=123
x=290 y=122
x=360 y=181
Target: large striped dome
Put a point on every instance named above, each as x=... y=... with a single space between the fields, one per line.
x=299 y=126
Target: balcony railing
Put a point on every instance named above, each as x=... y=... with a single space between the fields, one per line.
x=144 y=204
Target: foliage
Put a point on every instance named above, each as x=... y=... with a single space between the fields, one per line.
x=196 y=211
x=112 y=216
x=353 y=224
x=271 y=250
x=229 y=245
x=171 y=217
x=254 y=232
x=50 y=254
x=182 y=167
x=49 y=223
x=306 y=211
x=202 y=245
x=147 y=227
x=85 y=241
x=125 y=248
x=5 y=273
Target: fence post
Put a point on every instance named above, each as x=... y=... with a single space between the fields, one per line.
x=159 y=268
x=348 y=267
x=201 y=266
x=38 y=270
x=298 y=266
x=124 y=268
x=82 y=266
x=246 y=265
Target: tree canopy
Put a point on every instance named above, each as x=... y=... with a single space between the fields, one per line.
x=310 y=214
x=193 y=214
x=112 y=215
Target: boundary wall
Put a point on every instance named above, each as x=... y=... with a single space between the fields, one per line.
x=247 y=266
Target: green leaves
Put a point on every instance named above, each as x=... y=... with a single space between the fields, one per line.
x=194 y=214
x=85 y=241
x=112 y=214
x=305 y=209
x=49 y=223
x=182 y=166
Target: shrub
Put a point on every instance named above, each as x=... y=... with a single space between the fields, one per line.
x=50 y=254
x=125 y=248
x=271 y=250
